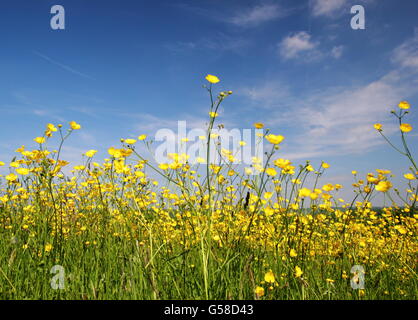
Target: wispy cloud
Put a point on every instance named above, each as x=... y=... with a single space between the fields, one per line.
x=242 y=16
x=327 y=7
x=406 y=55
x=337 y=52
x=257 y=15
x=294 y=45
x=340 y=121
x=221 y=43
x=266 y=95
x=335 y=8
x=62 y=66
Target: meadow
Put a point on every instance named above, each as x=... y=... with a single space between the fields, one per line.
x=111 y=231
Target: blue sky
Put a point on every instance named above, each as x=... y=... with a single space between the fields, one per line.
x=123 y=68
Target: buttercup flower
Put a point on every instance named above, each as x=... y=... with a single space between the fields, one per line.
x=130 y=141
x=22 y=171
x=404 y=105
x=269 y=277
x=259 y=291
x=74 y=125
x=274 y=139
x=39 y=140
x=11 y=177
x=405 y=127
x=409 y=176
x=90 y=153
x=271 y=172
x=383 y=186
x=212 y=78
x=298 y=272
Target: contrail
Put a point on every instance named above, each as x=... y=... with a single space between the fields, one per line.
x=63 y=66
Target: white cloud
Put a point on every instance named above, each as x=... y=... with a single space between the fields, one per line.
x=257 y=15
x=337 y=52
x=327 y=7
x=335 y=8
x=181 y=46
x=266 y=95
x=406 y=55
x=342 y=123
x=293 y=45
x=336 y=122
x=221 y=43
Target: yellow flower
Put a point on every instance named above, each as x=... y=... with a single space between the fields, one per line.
x=269 y=277
x=22 y=171
x=282 y=163
x=142 y=137
x=378 y=127
x=11 y=177
x=114 y=152
x=213 y=114
x=383 y=171
x=325 y=165
x=48 y=247
x=271 y=172
x=130 y=141
x=268 y=195
x=313 y=196
x=354 y=172
x=293 y=253
x=90 y=153
x=163 y=166
x=404 y=105
x=298 y=272
x=51 y=127
x=1 y=163
x=74 y=125
x=39 y=140
x=304 y=192
x=405 y=127
x=409 y=176
x=248 y=171
x=383 y=186
x=15 y=164
x=274 y=139
x=259 y=291
x=328 y=187
x=258 y=125
x=21 y=149
x=212 y=79
x=401 y=229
